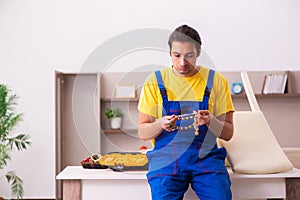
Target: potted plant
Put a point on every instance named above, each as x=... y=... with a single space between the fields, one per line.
x=115 y=115
x=8 y=141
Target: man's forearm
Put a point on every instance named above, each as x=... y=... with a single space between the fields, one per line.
x=149 y=131
x=221 y=129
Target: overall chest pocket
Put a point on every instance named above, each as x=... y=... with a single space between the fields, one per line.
x=184 y=107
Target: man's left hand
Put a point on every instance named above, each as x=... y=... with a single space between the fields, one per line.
x=204 y=117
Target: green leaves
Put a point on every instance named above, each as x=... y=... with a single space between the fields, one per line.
x=16 y=184
x=8 y=120
x=21 y=141
x=3 y=101
x=4 y=156
x=111 y=113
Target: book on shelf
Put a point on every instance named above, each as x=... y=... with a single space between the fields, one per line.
x=275 y=84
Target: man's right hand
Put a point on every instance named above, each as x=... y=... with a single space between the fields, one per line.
x=168 y=122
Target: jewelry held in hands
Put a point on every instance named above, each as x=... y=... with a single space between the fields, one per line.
x=195 y=124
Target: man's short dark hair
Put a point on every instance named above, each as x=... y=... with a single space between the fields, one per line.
x=185 y=33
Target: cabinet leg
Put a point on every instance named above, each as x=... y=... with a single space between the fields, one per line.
x=292 y=188
x=71 y=190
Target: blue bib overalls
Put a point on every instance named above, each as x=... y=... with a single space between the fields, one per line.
x=180 y=158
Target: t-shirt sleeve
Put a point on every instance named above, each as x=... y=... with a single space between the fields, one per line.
x=222 y=96
x=148 y=102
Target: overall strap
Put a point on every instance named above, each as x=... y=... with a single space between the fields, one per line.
x=209 y=83
x=163 y=92
x=208 y=87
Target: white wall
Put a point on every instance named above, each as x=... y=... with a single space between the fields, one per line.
x=39 y=36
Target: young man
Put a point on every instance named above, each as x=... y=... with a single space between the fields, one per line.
x=184 y=108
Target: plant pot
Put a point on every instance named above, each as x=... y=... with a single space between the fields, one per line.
x=116 y=122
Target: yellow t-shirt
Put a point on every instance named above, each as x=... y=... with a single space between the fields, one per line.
x=185 y=89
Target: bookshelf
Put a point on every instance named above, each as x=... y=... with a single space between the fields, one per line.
x=266 y=95
x=281 y=110
x=257 y=79
x=95 y=92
